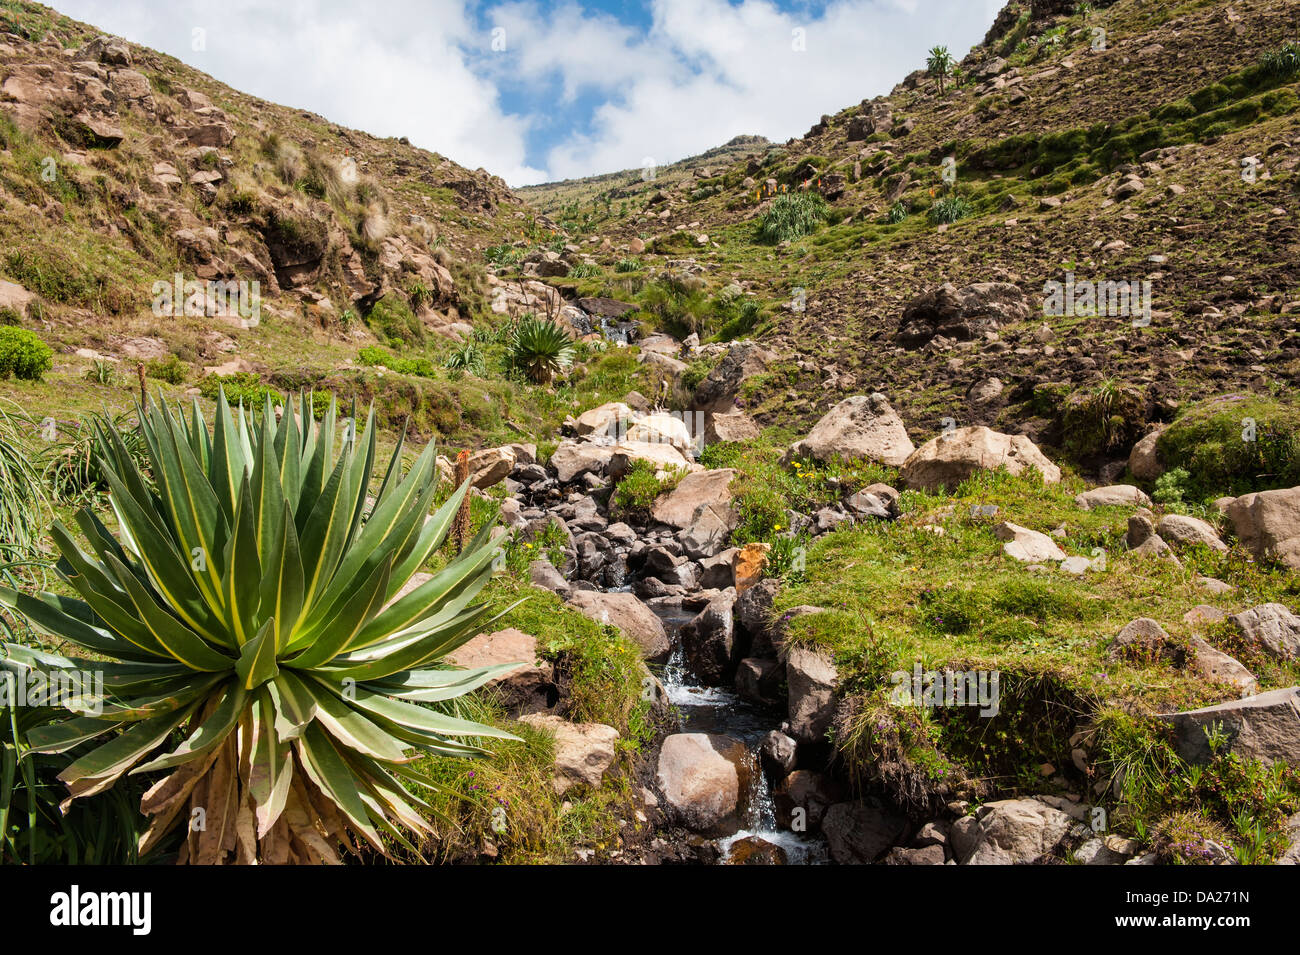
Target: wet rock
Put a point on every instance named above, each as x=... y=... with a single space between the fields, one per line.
x=778 y=753
x=699 y=776
x=802 y=798
x=583 y=751
x=709 y=640
x=758 y=680
x=859 y=834
x=946 y=461
x=811 y=679
x=755 y=851
x=753 y=613
x=863 y=427
x=716 y=572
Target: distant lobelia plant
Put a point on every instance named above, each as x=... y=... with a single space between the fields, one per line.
x=939 y=64
x=249 y=608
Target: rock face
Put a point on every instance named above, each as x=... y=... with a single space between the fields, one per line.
x=962 y=314
x=1116 y=495
x=583 y=751
x=1266 y=727
x=703 y=490
x=1268 y=524
x=946 y=461
x=1030 y=547
x=527 y=687
x=858 y=834
x=1008 y=832
x=623 y=610
x=863 y=427
x=1272 y=627
x=700 y=777
x=810 y=676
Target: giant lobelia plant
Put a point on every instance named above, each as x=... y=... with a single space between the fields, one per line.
x=250 y=613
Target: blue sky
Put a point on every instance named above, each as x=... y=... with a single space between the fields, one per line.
x=547 y=89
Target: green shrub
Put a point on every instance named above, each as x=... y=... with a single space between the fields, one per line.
x=1282 y=63
x=948 y=210
x=792 y=215
x=1107 y=419
x=467 y=357
x=240 y=388
x=392 y=320
x=627 y=265
x=170 y=369
x=10 y=316
x=677 y=303
x=898 y=212
x=540 y=349
x=23 y=354
x=1235 y=444
x=637 y=491
x=1171 y=487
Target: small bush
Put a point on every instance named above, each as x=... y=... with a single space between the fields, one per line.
x=241 y=388
x=628 y=265
x=1105 y=420
x=23 y=354
x=467 y=357
x=792 y=215
x=540 y=349
x=637 y=491
x=1171 y=487
x=948 y=210
x=10 y=316
x=392 y=320
x=170 y=369
x=898 y=212
x=1282 y=63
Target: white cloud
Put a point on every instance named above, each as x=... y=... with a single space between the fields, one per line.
x=707 y=70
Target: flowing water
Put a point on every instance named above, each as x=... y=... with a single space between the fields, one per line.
x=718 y=709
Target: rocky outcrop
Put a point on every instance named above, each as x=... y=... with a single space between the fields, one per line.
x=863 y=427
x=717 y=392
x=946 y=461
x=962 y=314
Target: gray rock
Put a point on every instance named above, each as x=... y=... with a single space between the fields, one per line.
x=811 y=679
x=1266 y=726
x=1273 y=627
x=1008 y=832
x=709 y=640
x=859 y=834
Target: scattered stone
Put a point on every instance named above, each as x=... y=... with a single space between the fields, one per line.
x=1273 y=628
x=1116 y=495
x=583 y=751
x=1027 y=546
x=863 y=427
x=946 y=461
x=1268 y=524
x=1008 y=832
x=1266 y=726
x=811 y=678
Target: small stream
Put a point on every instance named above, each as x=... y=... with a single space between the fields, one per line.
x=718 y=709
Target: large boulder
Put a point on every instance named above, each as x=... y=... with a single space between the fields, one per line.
x=962 y=314
x=735 y=426
x=525 y=688
x=610 y=418
x=709 y=640
x=810 y=677
x=626 y=612
x=662 y=429
x=1008 y=832
x=1144 y=460
x=1271 y=627
x=490 y=466
x=859 y=834
x=1114 y=495
x=572 y=459
x=1030 y=547
x=1185 y=530
x=1268 y=524
x=583 y=751
x=1266 y=727
x=700 y=776
x=952 y=457
x=863 y=427
x=664 y=457
x=703 y=490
